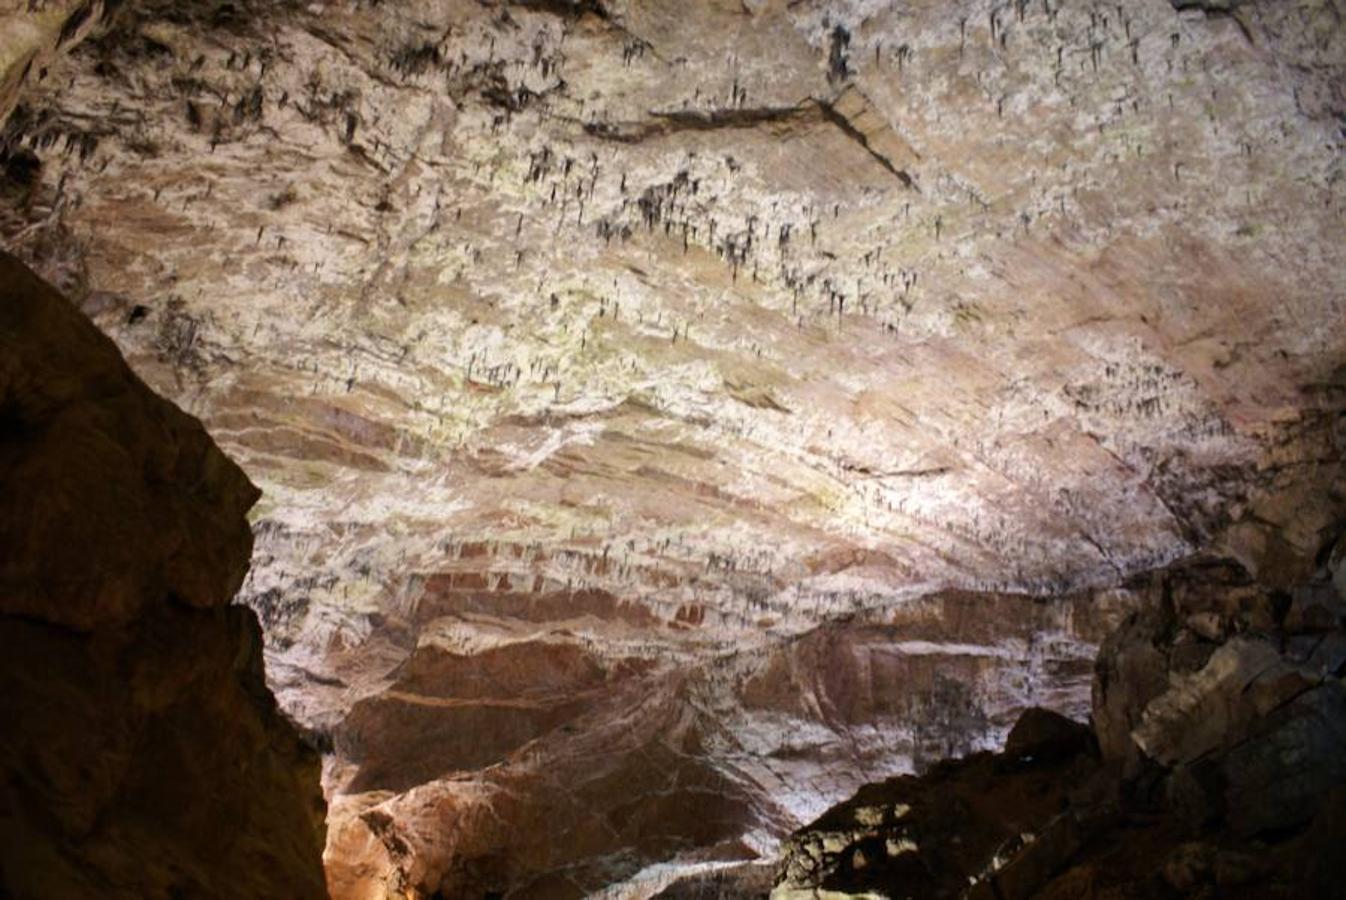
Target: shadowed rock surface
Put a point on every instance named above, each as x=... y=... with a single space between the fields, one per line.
x=143 y=756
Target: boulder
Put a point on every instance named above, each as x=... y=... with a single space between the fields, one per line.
x=1042 y=733
x=1280 y=775
x=1222 y=774
x=1203 y=711
x=1131 y=670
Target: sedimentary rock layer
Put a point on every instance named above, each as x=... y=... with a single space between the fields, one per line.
x=782 y=390
x=1213 y=769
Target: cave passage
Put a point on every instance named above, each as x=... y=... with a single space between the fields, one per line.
x=631 y=449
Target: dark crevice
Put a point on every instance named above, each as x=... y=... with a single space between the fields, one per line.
x=855 y=134
x=570 y=9
x=75 y=22
x=663 y=124
x=1227 y=9
x=14 y=425
x=838 y=67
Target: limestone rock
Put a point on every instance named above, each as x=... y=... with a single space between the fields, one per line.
x=982 y=820
x=1239 y=789
x=823 y=376
x=1203 y=711
x=1337 y=565
x=33 y=33
x=741 y=882
x=1245 y=682
x=1279 y=776
x=1131 y=670
x=1043 y=733
x=144 y=756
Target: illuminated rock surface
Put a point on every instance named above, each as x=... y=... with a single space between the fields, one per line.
x=671 y=416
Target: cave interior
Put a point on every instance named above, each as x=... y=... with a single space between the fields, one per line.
x=701 y=449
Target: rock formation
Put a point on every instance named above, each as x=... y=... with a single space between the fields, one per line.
x=1214 y=768
x=498 y=761
x=143 y=755
x=674 y=415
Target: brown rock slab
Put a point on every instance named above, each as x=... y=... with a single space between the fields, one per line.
x=143 y=756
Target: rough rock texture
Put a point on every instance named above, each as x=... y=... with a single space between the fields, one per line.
x=1233 y=784
x=930 y=836
x=636 y=367
x=499 y=761
x=34 y=31
x=143 y=756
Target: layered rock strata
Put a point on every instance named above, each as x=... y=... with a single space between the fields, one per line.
x=1213 y=769
x=143 y=756
x=631 y=367
x=531 y=762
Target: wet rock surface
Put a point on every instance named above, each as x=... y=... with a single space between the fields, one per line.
x=143 y=755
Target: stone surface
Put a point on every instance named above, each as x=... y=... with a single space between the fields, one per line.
x=982 y=818
x=34 y=32
x=515 y=762
x=1241 y=793
x=1043 y=733
x=1131 y=671
x=810 y=379
x=1278 y=777
x=114 y=499
x=1338 y=567
x=144 y=756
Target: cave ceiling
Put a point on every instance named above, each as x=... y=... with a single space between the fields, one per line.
x=628 y=363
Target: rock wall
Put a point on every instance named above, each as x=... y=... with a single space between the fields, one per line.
x=35 y=31
x=528 y=761
x=143 y=755
x=1213 y=769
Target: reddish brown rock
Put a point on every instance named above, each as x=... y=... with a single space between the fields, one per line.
x=574 y=810
x=143 y=755
x=1223 y=781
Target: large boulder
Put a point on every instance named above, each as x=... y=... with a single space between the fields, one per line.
x=1003 y=823
x=1131 y=670
x=144 y=756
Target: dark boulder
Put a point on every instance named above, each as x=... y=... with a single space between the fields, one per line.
x=143 y=756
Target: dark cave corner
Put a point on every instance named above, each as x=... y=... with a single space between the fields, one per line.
x=144 y=756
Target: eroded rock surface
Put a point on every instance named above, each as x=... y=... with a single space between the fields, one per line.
x=527 y=762
x=143 y=755
x=782 y=391
x=1233 y=783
